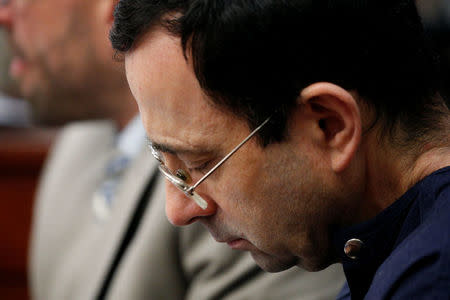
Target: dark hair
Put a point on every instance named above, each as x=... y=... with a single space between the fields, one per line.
x=255 y=56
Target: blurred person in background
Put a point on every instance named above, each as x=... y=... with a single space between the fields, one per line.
x=100 y=229
x=13 y=112
x=23 y=149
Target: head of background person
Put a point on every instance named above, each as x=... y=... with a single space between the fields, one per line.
x=351 y=91
x=62 y=59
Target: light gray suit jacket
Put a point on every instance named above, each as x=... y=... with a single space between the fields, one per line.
x=71 y=250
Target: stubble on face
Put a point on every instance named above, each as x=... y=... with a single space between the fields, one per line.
x=285 y=208
x=63 y=79
x=262 y=197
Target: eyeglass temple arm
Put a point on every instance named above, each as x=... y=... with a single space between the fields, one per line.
x=229 y=154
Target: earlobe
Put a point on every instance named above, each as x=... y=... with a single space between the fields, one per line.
x=338 y=119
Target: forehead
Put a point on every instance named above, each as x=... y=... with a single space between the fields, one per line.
x=174 y=109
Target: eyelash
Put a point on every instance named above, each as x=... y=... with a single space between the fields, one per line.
x=201 y=168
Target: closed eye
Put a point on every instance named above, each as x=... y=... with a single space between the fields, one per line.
x=203 y=168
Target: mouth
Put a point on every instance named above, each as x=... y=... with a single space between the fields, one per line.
x=19 y=62
x=17 y=67
x=234 y=241
x=238 y=244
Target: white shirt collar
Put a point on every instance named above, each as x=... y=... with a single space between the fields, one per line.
x=131 y=139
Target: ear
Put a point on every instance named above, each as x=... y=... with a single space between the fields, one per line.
x=106 y=10
x=338 y=121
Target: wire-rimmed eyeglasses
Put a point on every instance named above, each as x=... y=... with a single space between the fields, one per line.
x=178 y=179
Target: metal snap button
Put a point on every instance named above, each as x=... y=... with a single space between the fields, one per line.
x=352 y=248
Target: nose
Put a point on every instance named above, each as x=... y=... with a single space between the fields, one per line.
x=182 y=210
x=6 y=14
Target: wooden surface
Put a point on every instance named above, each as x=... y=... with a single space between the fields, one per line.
x=22 y=153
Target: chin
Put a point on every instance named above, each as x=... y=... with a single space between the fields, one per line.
x=315 y=264
x=273 y=264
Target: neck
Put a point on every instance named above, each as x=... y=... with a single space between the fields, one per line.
x=390 y=172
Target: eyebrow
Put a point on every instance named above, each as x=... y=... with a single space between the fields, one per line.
x=164 y=148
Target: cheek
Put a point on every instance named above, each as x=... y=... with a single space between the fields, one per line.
x=29 y=32
x=247 y=185
x=245 y=203
x=40 y=28
x=281 y=198
x=253 y=211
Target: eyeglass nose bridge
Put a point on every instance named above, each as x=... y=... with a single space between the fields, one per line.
x=183 y=187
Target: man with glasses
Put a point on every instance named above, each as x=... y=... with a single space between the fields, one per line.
x=100 y=230
x=305 y=132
